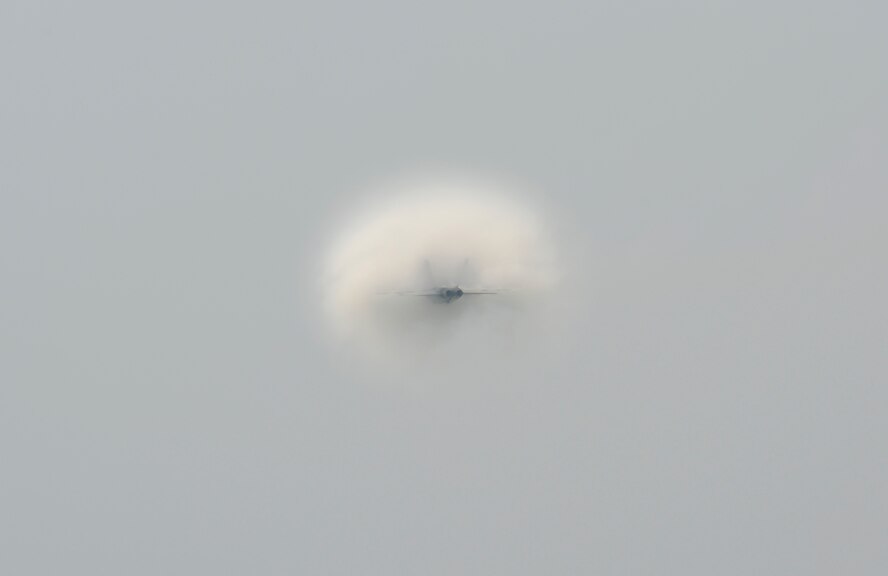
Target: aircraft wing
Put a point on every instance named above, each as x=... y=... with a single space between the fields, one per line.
x=409 y=293
x=485 y=291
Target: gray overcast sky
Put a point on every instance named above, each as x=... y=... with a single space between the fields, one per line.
x=716 y=404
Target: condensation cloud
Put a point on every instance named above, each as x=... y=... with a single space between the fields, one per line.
x=442 y=232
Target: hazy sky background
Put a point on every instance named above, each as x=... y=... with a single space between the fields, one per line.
x=716 y=402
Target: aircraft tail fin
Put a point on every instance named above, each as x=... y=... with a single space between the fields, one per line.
x=428 y=279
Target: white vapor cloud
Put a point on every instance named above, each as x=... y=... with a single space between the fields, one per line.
x=472 y=234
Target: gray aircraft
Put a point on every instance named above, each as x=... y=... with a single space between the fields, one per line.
x=445 y=294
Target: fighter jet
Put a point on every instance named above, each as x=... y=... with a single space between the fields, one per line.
x=442 y=293
x=446 y=294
